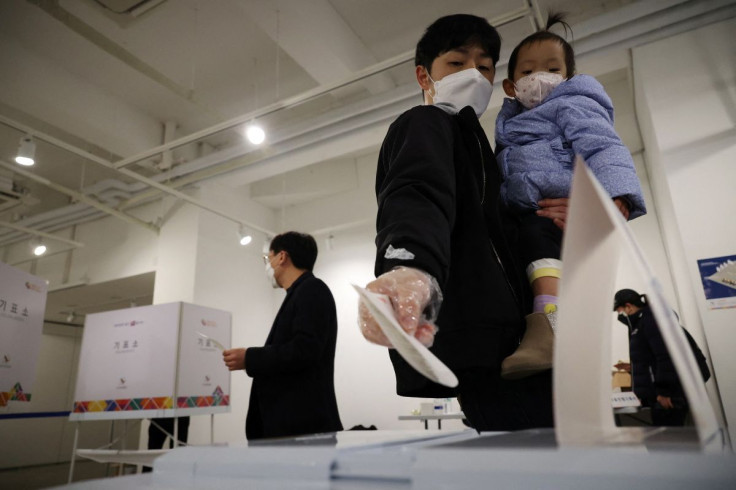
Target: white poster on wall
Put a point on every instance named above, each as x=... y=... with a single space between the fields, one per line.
x=22 y=308
x=204 y=380
x=127 y=365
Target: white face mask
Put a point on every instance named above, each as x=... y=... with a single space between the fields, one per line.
x=270 y=276
x=532 y=89
x=464 y=88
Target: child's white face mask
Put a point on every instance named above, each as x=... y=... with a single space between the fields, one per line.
x=464 y=88
x=532 y=89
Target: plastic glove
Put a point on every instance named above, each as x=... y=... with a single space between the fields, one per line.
x=416 y=298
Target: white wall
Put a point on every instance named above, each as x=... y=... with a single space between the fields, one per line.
x=688 y=123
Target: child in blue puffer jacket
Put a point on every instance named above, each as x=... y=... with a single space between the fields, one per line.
x=552 y=116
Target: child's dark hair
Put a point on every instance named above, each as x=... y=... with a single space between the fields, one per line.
x=454 y=31
x=546 y=35
x=302 y=248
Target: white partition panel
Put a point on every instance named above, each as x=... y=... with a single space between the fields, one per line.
x=596 y=238
x=22 y=306
x=203 y=384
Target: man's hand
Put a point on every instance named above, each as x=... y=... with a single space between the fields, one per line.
x=554 y=209
x=665 y=401
x=234 y=358
x=409 y=291
x=623 y=366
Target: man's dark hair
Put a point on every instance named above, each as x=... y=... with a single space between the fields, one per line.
x=455 y=31
x=301 y=247
x=546 y=35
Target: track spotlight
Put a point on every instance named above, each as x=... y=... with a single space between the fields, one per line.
x=26 y=151
x=255 y=134
x=39 y=249
x=70 y=317
x=245 y=236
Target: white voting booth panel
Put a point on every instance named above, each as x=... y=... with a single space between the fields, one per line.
x=596 y=238
x=152 y=361
x=585 y=450
x=22 y=306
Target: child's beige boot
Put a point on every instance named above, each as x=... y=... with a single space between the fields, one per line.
x=535 y=351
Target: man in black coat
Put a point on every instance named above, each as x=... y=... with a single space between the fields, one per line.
x=440 y=223
x=293 y=390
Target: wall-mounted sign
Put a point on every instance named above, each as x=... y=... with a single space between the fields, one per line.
x=718 y=275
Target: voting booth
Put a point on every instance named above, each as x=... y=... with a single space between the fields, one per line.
x=22 y=306
x=152 y=361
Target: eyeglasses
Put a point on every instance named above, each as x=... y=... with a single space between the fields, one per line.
x=267 y=258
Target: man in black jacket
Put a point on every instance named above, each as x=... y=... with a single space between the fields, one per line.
x=293 y=388
x=442 y=234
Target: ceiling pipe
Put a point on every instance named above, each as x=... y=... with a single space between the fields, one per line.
x=334 y=124
x=49 y=236
x=303 y=97
x=56 y=218
x=129 y=173
x=79 y=197
x=84 y=215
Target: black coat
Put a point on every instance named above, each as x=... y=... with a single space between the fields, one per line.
x=437 y=188
x=652 y=370
x=293 y=388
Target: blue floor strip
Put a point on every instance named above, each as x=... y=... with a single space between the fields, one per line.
x=33 y=415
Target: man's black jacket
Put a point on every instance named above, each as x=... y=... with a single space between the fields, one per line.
x=437 y=187
x=293 y=388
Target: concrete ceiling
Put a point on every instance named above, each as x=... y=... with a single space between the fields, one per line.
x=70 y=305
x=102 y=86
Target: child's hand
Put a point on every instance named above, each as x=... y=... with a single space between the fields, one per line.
x=554 y=209
x=622 y=206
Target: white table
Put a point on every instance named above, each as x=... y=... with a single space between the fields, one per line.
x=438 y=417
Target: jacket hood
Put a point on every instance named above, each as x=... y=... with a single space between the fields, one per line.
x=583 y=86
x=577 y=86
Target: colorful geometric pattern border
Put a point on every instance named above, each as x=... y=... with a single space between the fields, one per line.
x=124 y=404
x=217 y=399
x=15 y=394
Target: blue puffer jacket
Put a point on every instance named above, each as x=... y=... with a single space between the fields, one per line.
x=536 y=148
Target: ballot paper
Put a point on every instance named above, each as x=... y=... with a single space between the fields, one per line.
x=413 y=352
x=212 y=341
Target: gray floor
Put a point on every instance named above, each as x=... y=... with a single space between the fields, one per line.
x=45 y=476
